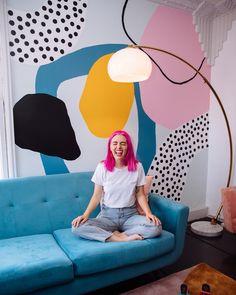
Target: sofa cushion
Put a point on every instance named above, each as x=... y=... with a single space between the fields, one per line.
x=32 y=262
x=93 y=256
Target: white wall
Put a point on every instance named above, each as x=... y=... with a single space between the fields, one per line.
x=224 y=81
x=97 y=32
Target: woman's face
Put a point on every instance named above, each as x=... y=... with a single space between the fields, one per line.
x=119 y=147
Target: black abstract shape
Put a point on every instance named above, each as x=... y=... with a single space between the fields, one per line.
x=42 y=124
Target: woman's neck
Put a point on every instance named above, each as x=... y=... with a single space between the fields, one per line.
x=119 y=164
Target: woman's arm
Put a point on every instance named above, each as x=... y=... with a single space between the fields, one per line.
x=142 y=200
x=95 y=200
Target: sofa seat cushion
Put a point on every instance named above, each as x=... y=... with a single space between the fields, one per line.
x=93 y=256
x=32 y=262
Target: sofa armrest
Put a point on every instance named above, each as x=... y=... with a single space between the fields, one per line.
x=174 y=218
x=173 y=215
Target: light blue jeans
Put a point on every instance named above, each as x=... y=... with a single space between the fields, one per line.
x=126 y=220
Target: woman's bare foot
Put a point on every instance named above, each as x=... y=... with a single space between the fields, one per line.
x=122 y=237
x=117 y=233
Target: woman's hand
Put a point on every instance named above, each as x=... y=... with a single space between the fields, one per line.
x=96 y=198
x=152 y=218
x=79 y=220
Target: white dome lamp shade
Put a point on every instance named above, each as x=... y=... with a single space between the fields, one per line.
x=129 y=65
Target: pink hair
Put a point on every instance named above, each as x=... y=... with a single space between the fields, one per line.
x=129 y=160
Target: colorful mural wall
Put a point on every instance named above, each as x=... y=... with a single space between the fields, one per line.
x=65 y=104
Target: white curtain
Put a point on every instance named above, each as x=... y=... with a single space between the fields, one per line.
x=1 y=139
x=7 y=142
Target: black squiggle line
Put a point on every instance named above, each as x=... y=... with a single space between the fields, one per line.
x=169 y=79
x=123 y=23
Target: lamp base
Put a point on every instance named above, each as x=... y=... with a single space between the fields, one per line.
x=206 y=229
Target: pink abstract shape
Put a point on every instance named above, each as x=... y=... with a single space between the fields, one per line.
x=168 y=104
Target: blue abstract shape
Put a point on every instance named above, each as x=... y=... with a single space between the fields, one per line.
x=53 y=165
x=76 y=64
x=146 y=149
x=72 y=65
x=50 y=76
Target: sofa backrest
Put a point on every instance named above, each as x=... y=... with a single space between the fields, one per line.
x=42 y=204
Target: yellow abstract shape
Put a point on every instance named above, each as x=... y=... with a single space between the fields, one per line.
x=105 y=105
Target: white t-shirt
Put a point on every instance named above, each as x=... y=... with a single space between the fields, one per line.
x=119 y=185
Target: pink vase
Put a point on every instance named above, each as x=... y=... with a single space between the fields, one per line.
x=229 y=208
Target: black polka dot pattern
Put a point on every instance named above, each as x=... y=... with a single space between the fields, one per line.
x=44 y=35
x=170 y=166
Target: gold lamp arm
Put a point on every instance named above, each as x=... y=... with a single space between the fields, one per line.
x=214 y=219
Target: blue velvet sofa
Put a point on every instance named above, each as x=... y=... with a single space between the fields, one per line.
x=40 y=255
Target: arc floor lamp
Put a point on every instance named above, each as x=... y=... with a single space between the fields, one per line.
x=132 y=64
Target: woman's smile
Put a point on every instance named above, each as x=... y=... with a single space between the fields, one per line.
x=119 y=153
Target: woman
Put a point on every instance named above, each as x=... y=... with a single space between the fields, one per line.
x=119 y=181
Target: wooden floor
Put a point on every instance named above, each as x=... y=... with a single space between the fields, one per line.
x=219 y=252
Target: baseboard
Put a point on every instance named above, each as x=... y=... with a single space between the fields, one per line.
x=197 y=214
